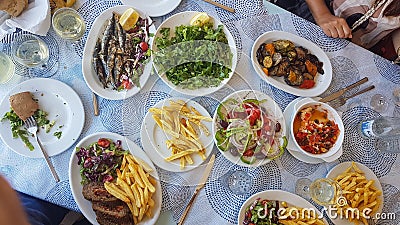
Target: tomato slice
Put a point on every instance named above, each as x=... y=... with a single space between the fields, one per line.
x=103 y=142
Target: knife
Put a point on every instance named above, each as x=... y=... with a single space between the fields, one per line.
x=342 y=91
x=201 y=184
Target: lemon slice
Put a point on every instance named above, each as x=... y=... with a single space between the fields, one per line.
x=128 y=19
x=200 y=19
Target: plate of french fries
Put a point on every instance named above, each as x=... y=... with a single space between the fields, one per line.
x=176 y=134
x=361 y=190
x=137 y=182
x=287 y=208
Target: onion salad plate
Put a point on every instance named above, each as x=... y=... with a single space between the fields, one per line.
x=184 y=18
x=75 y=178
x=369 y=175
x=154 y=139
x=254 y=119
x=322 y=81
x=63 y=106
x=88 y=71
x=281 y=196
x=153 y=8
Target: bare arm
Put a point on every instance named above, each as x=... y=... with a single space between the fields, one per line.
x=11 y=211
x=332 y=26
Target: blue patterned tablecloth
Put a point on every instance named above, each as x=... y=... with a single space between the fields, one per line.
x=251 y=19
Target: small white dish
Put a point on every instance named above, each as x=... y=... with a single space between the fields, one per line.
x=153 y=8
x=153 y=139
x=271 y=108
x=278 y=195
x=61 y=103
x=184 y=18
x=332 y=115
x=322 y=82
x=90 y=75
x=368 y=173
x=75 y=178
x=292 y=147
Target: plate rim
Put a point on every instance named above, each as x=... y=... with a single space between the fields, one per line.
x=76 y=109
x=73 y=163
x=283 y=86
x=238 y=161
x=277 y=195
x=145 y=140
x=369 y=174
x=87 y=57
x=201 y=91
x=149 y=10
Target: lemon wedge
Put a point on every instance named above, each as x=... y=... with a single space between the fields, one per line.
x=200 y=19
x=128 y=19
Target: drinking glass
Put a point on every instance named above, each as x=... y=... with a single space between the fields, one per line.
x=379 y=103
x=396 y=97
x=31 y=52
x=323 y=191
x=7 y=68
x=239 y=182
x=68 y=24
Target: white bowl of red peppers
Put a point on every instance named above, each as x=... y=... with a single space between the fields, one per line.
x=316 y=128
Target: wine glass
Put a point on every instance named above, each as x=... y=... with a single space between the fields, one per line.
x=379 y=103
x=32 y=52
x=68 y=24
x=323 y=191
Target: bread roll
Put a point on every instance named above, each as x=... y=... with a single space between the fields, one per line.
x=14 y=7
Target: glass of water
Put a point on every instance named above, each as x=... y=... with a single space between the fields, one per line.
x=30 y=51
x=379 y=103
x=68 y=24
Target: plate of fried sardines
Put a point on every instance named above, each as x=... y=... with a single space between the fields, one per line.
x=116 y=59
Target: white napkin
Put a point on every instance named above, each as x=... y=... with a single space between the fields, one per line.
x=35 y=19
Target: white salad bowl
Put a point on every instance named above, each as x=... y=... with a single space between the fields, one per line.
x=331 y=114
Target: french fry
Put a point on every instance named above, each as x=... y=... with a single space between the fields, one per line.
x=133 y=170
x=181 y=122
x=146 y=180
x=115 y=191
x=135 y=186
x=359 y=192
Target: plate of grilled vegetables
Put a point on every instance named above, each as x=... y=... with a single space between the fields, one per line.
x=116 y=59
x=291 y=63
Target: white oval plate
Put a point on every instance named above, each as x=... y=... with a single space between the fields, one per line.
x=322 y=82
x=75 y=178
x=87 y=59
x=368 y=173
x=277 y=195
x=153 y=139
x=184 y=18
x=271 y=107
x=153 y=8
x=61 y=103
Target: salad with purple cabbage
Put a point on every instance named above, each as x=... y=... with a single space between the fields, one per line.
x=98 y=161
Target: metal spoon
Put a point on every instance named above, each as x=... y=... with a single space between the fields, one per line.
x=342 y=100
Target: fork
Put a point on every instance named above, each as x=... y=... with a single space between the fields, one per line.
x=32 y=128
x=342 y=100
